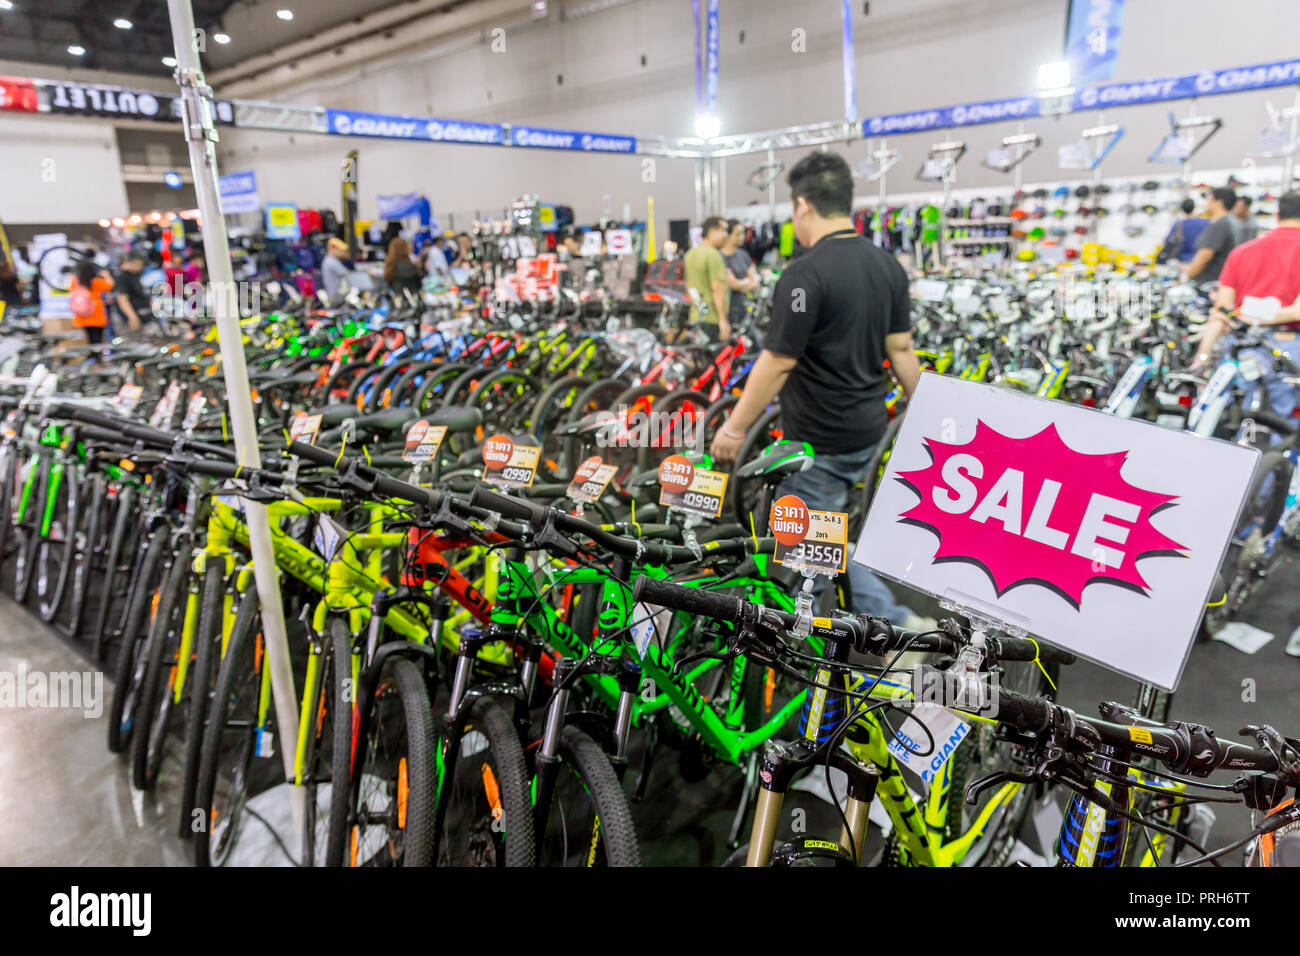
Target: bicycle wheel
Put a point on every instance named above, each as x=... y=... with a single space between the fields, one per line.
x=157 y=698
x=762 y=433
x=588 y=822
x=229 y=762
x=207 y=651
x=485 y=815
x=329 y=751
x=55 y=549
x=27 y=530
x=89 y=530
x=118 y=545
x=392 y=807
x=131 y=661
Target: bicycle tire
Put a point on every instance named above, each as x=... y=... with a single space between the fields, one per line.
x=402 y=693
x=612 y=840
x=207 y=646
x=27 y=532
x=149 y=734
x=83 y=563
x=510 y=843
x=49 y=601
x=124 y=680
x=334 y=709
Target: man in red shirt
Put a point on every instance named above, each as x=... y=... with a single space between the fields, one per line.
x=1261 y=282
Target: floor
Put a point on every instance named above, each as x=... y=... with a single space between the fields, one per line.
x=66 y=801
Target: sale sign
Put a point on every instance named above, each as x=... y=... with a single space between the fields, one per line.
x=304 y=428
x=508 y=464
x=590 y=480
x=687 y=488
x=806 y=540
x=1102 y=535
x=423 y=441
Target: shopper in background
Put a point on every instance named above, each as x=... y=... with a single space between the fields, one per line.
x=1261 y=283
x=838 y=312
x=436 y=264
x=1243 y=221
x=11 y=290
x=742 y=277
x=569 y=247
x=334 y=268
x=465 y=254
x=132 y=299
x=1180 y=244
x=195 y=269
x=86 y=297
x=705 y=271
x=1216 y=241
x=400 y=271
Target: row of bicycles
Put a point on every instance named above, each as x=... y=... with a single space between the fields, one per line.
x=492 y=674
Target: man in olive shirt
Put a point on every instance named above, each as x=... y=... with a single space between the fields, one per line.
x=706 y=273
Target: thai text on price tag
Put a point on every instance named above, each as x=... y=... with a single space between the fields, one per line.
x=304 y=428
x=193 y=411
x=127 y=397
x=808 y=540
x=423 y=441
x=687 y=488
x=590 y=480
x=508 y=464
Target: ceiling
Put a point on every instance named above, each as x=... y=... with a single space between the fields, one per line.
x=40 y=31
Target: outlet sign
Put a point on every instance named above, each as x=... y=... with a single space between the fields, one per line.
x=1099 y=534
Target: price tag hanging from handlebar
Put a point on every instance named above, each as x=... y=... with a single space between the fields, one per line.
x=590 y=480
x=509 y=465
x=304 y=428
x=696 y=491
x=814 y=542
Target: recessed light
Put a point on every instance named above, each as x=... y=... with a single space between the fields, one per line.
x=284 y=14
x=169 y=61
x=77 y=50
x=104 y=224
x=122 y=23
x=221 y=37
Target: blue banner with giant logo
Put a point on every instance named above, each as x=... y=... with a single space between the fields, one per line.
x=1092 y=39
x=946 y=117
x=538 y=137
x=394 y=126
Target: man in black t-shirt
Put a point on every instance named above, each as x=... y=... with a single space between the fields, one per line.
x=1218 y=239
x=838 y=312
x=132 y=299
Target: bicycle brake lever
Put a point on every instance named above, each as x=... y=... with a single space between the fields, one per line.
x=975 y=788
x=700 y=656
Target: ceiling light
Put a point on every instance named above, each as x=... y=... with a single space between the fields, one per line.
x=155 y=216
x=707 y=127
x=6 y=5
x=119 y=223
x=1054 y=76
x=122 y=23
x=77 y=50
x=284 y=14
x=221 y=37
x=135 y=219
x=169 y=61
x=104 y=224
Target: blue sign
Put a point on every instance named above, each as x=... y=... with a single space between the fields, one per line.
x=946 y=117
x=392 y=126
x=538 y=137
x=1208 y=83
x=238 y=193
x=850 y=65
x=711 y=60
x=1092 y=39
x=282 y=221
x=173 y=180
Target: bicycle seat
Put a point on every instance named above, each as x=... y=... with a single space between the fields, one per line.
x=641 y=481
x=457 y=418
x=588 y=423
x=386 y=422
x=778 y=461
x=333 y=415
x=288 y=381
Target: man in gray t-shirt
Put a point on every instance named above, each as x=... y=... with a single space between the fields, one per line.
x=742 y=277
x=333 y=268
x=1218 y=239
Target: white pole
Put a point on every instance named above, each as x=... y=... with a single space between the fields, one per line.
x=201 y=135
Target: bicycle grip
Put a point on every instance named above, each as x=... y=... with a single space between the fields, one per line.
x=1019 y=649
x=691 y=600
x=517 y=508
x=313 y=453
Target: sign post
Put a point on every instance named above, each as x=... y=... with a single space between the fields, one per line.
x=1102 y=535
x=201 y=136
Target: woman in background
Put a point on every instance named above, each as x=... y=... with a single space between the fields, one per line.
x=93 y=317
x=400 y=271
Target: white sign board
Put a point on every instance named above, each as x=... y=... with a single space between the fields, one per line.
x=591 y=242
x=1099 y=534
x=618 y=241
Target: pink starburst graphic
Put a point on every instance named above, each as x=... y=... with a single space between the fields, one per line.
x=1035 y=511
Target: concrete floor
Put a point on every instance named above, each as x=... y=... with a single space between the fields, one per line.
x=66 y=801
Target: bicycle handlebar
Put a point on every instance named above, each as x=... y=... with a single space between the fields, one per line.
x=124 y=427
